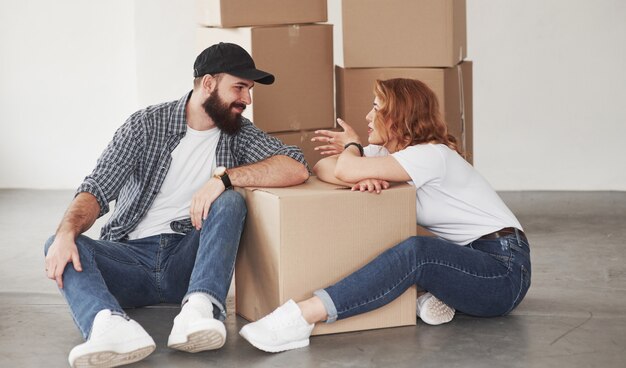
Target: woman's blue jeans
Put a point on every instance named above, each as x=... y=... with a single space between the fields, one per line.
x=158 y=269
x=484 y=278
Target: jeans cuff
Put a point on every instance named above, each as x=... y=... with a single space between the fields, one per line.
x=331 y=310
x=220 y=314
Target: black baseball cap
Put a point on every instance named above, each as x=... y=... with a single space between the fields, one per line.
x=231 y=59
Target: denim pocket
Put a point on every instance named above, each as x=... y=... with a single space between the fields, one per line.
x=524 y=285
x=525 y=280
x=496 y=248
x=503 y=253
x=506 y=259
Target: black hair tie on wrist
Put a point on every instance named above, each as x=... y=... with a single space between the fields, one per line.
x=358 y=145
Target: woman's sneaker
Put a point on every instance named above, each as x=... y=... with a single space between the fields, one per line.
x=283 y=329
x=433 y=311
x=114 y=341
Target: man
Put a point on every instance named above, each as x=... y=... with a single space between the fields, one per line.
x=175 y=230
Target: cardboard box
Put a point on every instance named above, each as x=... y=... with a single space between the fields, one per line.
x=398 y=33
x=237 y=13
x=422 y=231
x=302 y=139
x=301 y=59
x=453 y=87
x=300 y=239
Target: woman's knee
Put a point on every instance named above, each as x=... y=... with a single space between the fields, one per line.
x=408 y=247
x=402 y=254
x=426 y=247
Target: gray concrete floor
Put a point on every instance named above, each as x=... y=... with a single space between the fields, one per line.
x=573 y=316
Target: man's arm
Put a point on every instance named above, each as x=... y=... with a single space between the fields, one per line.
x=79 y=217
x=275 y=171
x=263 y=161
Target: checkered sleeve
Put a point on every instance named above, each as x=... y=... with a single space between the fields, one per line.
x=114 y=165
x=255 y=145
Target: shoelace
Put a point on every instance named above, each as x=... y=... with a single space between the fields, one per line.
x=276 y=322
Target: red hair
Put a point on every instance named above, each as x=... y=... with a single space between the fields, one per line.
x=408 y=114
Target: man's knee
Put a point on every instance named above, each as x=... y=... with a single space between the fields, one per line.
x=48 y=244
x=231 y=200
x=81 y=243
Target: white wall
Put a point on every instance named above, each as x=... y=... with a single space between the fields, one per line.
x=67 y=81
x=165 y=49
x=549 y=93
x=549 y=82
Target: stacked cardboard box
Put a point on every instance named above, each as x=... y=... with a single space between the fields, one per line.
x=283 y=38
x=420 y=39
x=245 y=13
x=286 y=251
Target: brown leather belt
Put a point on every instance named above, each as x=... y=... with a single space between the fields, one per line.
x=505 y=232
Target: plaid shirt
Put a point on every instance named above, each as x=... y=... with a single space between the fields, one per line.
x=132 y=168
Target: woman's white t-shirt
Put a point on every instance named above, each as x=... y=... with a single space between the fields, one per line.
x=453 y=200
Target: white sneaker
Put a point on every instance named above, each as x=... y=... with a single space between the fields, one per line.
x=195 y=329
x=433 y=311
x=114 y=341
x=283 y=329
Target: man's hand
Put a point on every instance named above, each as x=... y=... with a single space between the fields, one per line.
x=62 y=251
x=80 y=215
x=202 y=200
x=371 y=185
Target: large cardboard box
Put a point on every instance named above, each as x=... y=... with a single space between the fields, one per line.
x=453 y=87
x=302 y=139
x=301 y=58
x=300 y=239
x=237 y=13
x=398 y=33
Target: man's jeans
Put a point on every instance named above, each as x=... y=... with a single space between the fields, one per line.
x=158 y=269
x=484 y=278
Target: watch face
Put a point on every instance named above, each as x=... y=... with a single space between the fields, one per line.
x=219 y=171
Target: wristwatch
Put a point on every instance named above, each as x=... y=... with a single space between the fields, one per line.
x=220 y=173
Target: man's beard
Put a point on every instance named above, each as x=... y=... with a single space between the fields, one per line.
x=227 y=121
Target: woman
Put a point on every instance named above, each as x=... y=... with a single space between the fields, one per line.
x=478 y=264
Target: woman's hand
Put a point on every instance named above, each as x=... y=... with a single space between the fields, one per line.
x=335 y=141
x=371 y=185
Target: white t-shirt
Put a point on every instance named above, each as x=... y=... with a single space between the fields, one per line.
x=453 y=200
x=193 y=163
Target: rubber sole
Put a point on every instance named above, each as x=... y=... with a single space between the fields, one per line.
x=276 y=348
x=210 y=338
x=112 y=358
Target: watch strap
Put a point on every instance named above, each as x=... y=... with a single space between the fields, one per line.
x=226 y=180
